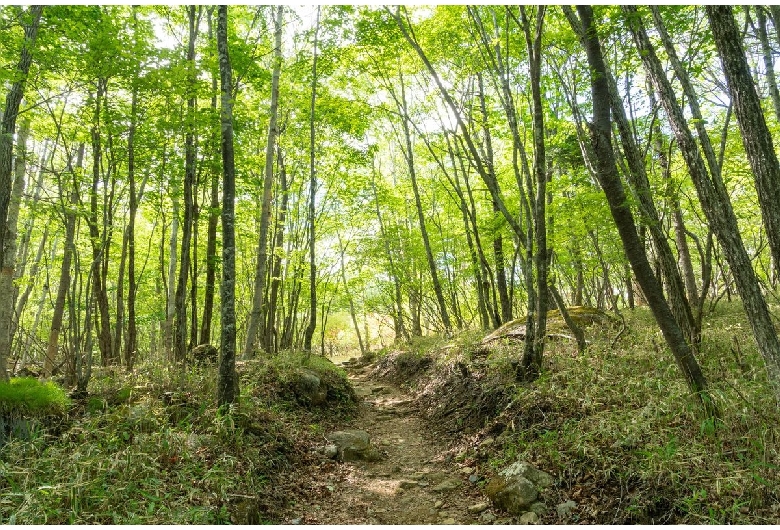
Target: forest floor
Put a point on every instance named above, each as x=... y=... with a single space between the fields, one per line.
x=417 y=481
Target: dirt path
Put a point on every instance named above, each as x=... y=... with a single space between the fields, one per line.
x=413 y=484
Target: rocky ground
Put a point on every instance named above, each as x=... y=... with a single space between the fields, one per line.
x=414 y=480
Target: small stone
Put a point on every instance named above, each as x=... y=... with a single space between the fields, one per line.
x=487 y=517
x=377 y=389
x=564 y=509
x=473 y=479
x=330 y=451
x=438 y=504
x=297 y=520
x=467 y=470
x=487 y=442
x=405 y=484
x=449 y=520
x=447 y=485
x=528 y=518
x=443 y=514
x=478 y=508
x=539 y=508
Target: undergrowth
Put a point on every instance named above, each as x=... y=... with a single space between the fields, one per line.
x=627 y=441
x=151 y=448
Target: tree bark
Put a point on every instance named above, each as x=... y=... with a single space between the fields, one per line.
x=227 y=384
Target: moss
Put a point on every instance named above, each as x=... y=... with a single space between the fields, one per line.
x=26 y=396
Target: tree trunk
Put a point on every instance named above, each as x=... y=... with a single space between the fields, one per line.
x=180 y=300
x=756 y=137
x=600 y=134
x=131 y=340
x=255 y=322
x=715 y=202
x=409 y=156
x=7 y=130
x=211 y=232
x=271 y=337
x=69 y=213
x=227 y=384
x=9 y=252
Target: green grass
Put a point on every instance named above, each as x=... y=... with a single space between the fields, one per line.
x=620 y=424
x=130 y=458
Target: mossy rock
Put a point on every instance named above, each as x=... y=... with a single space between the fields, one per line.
x=28 y=405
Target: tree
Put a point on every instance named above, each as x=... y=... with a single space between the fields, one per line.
x=227 y=385
x=600 y=134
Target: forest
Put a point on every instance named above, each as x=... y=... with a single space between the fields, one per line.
x=553 y=230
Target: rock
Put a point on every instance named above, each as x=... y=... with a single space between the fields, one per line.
x=329 y=450
x=539 y=508
x=204 y=354
x=467 y=470
x=528 y=518
x=297 y=520
x=353 y=445
x=309 y=389
x=539 y=478
x=564 y=509
x=478 y=508
x=473 y=479
x=449 y=520
x=514 y=495
x=447 y=485
x=487 y=517
x=438 y=504
x=487 y=442
x=377 y=389
x=406 y=484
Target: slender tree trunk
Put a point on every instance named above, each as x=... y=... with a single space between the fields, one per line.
x=211 y=233
x=312 y=196
x=409 y=156
x=69 y=213
x=131 y=340
x=180 y=300
x=600 y=134
x=352 y=313
x=9 y=252
x=7 y=233
x=276 y=268
x=255 y=322
x=227 y=384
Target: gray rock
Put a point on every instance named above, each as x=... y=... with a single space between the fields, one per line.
x=447 y=485
x=487 y=517
x=473 y=479
x=297 y=520
x=330 y=450
x=515 y=495
x=438 y=504
x=449 y=520
x=539 y=478
x=478 y=508
x=487 y=442
x=564 y=509
x=353 y=446
x=539 y=508
x=528 y=518
x=309 y=388
x=204 y=354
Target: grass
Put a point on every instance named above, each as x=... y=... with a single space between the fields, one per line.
x=620 y=425
x=151 y=448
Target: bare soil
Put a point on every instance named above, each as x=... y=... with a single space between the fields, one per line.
x=416 y=483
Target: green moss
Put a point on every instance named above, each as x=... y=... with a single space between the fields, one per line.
x=26 y=396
